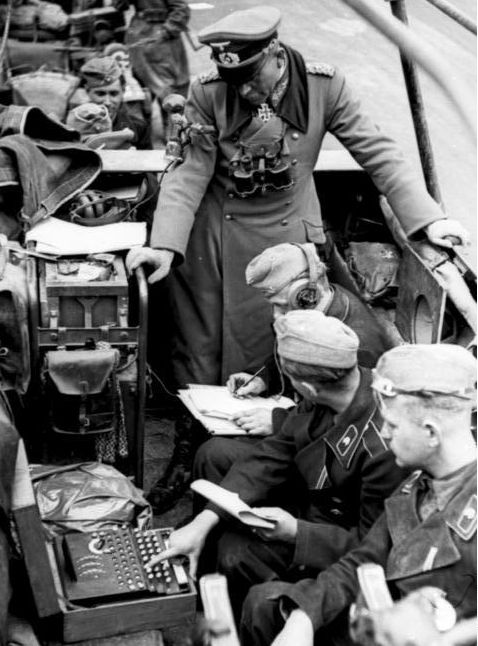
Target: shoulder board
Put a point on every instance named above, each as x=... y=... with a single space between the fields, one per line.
x=211 y=75
x=322 y=69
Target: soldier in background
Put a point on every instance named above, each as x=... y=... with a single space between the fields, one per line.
x=161 y=65
x=104 y=84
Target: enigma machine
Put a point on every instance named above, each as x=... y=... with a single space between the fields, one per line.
x=114 y=564
x=96 y=584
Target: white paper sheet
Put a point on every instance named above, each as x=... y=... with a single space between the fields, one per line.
x=219 y=401
x=61 y=238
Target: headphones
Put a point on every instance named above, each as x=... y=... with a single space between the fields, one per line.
x=93 y=208
x=304 y=293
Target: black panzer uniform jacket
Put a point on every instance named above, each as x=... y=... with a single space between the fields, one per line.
x=345 y=466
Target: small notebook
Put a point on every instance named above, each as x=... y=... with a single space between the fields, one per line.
x=232 y=503
x=213 y=406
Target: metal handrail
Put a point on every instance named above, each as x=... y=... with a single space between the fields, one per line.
x=417 y=108
x=455 y=14
x=425 y=55
x=141 y=382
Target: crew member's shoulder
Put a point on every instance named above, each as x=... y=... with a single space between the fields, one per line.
x=320 y=69
x=209 y=76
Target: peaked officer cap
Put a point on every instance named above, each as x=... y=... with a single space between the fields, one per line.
x=278 y=266
x=312 y=338
x=241 y=41
x=102 y=70
x=421 y=368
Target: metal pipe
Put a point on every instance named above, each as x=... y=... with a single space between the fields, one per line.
x=452 y=12
x=141 y=383
x=423 y=54
x=417 y=108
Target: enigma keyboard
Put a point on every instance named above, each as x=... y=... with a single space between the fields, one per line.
x=114 y=562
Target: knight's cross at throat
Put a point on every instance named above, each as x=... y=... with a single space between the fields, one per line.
x=265 y=112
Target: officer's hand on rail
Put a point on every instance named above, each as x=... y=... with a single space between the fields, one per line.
x=255 y=386
x=159 y=259
x=188 y=541
x=285 y=525
x=298 y=629
x=443 y=233
x=256 y=421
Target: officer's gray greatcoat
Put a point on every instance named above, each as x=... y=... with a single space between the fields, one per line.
x=222 y=324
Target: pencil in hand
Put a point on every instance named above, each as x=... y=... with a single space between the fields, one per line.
x=246 y=383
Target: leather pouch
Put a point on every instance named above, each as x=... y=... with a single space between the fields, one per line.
x=374 y=266
x=81 y=385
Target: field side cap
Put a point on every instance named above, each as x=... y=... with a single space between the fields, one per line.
x=101 y=70
x=89 y=118
x=241 y=41
x=310 y=337
x=279 y=266
x=443 y=369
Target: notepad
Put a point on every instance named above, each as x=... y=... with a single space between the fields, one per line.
x=61 y=238
x=232 y=503
x=214 y=405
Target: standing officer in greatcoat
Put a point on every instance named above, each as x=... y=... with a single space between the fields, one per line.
x=250 y=186
x=427 y=533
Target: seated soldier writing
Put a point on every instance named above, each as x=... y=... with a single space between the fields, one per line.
x=291 y=277
x=329 y=447
x=427 y=533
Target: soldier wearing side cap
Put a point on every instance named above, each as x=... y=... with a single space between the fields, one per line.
x=104 y=83
x=329 y=447
x=250 y=186
x=290 y=276
x=427 y=533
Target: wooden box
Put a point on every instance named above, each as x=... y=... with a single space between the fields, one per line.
x=67 y=623
x=68 y=302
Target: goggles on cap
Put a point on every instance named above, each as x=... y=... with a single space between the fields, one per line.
x=386 y=388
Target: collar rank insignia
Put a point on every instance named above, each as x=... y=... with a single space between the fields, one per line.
x=467 y=521
x=347 y=439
